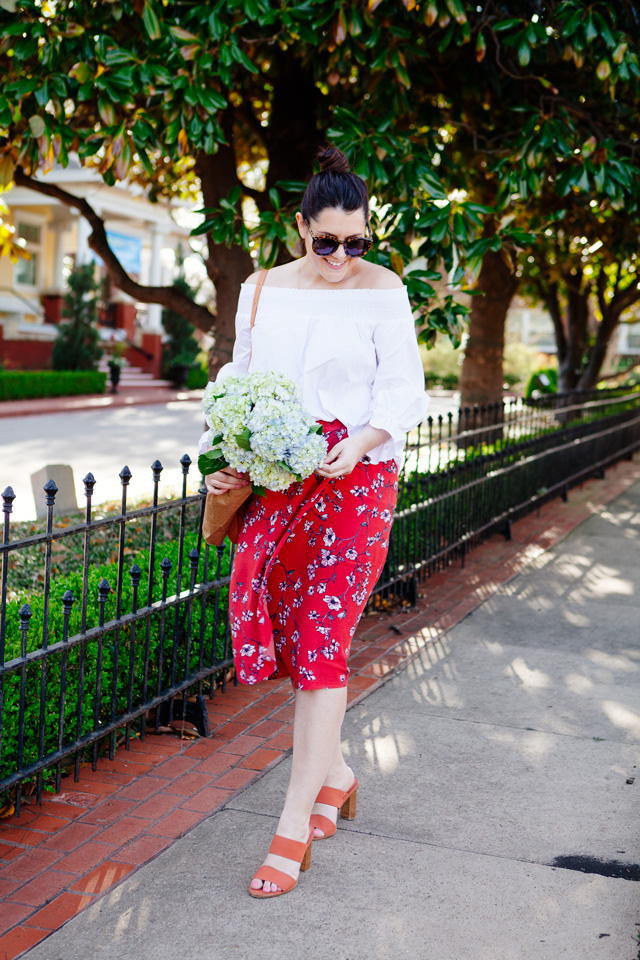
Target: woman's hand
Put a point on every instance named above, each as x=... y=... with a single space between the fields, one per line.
x=223 y=480
x=342 y=458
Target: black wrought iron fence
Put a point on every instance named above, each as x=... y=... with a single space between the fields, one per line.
x=135 y=623
x=460 y=484
x=119 y=623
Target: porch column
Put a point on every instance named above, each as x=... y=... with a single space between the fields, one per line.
x=58 y=284
x=83 y=251
x=154 y=310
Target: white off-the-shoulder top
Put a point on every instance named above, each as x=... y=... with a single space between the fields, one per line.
x=353 y=353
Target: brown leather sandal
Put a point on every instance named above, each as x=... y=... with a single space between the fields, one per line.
x=344 y=801
x=292 y=850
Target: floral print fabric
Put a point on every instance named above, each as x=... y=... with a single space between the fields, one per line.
x=306 y=562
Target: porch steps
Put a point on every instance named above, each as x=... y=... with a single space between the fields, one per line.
x=134 y=377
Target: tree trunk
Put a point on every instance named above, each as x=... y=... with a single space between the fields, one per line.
x=227 y=267
x=290 y=139
x=234 y=266
x=610 y=313
x=591 y=372
x=577 y=327
x=482 y=378
x=580 y=356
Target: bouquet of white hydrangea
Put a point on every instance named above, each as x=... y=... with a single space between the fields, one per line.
x=259 y=426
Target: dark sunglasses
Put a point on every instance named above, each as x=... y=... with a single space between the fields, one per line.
x=326 y=244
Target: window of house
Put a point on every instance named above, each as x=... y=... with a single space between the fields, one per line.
x=27 y=270
x=633 y=339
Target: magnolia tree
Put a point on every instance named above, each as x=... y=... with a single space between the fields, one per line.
x=541 y=114
x=586 y=273
x=228 y=101
x=471 y=124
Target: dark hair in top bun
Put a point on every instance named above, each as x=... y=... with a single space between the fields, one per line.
x=334 y=186
x=332 y=160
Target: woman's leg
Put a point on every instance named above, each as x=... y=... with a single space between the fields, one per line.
x=316 y=728
x=340 y=776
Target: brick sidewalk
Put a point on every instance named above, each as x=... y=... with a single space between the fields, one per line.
x=59 y=857
x=127 y=397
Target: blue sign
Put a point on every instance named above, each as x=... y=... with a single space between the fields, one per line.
x=127 y=249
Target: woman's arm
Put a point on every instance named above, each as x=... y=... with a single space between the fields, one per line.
x=229 y=479
x=398 y=400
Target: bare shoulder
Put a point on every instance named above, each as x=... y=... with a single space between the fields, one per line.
x=281 y=276
x=378 y=277
x=284 y=275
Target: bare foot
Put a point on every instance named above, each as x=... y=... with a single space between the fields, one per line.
x=290 y=867
x=342 y=781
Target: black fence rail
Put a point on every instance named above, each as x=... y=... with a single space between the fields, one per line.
x=458 y=488
x=122 y=638
x=118 y=624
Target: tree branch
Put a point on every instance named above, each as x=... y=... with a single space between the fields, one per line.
x=630 y=366
x=601 y=286
x=624 y=297
x=169 y=297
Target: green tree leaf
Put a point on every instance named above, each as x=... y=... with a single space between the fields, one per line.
x=151 y=21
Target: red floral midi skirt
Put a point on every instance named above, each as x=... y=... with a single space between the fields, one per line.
x=306 y=562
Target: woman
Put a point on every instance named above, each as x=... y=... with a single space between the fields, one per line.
x=342 y=328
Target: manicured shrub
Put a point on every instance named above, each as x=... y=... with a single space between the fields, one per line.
x=181 y=346
x=124 y=651
x=32 y=384
x=77 y=344
x=446 y=381
x=543 y=381
x=197 y=378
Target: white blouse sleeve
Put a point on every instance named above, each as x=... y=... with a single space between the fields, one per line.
x=399 y=401
x=242 y=346
x=237 y=367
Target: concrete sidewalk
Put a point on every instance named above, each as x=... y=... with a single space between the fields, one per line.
x=505 y=745
x=126 y=396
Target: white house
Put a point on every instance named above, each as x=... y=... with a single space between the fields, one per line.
x=144 y=235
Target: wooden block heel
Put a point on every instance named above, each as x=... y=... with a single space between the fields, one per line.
x=306 y=860
x=348 y=808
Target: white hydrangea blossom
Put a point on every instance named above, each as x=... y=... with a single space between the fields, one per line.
x=266 y=409
x=241 y=460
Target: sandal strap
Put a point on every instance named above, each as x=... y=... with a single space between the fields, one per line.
x=283 y=880
x=327 y=826
x=291 y=849
x=333 y=797
x=330 y=796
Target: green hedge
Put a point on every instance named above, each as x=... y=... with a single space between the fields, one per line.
x=116 y=649
x=542 y=381
x=24 y=384
x=447 y=381
x=197 y=379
